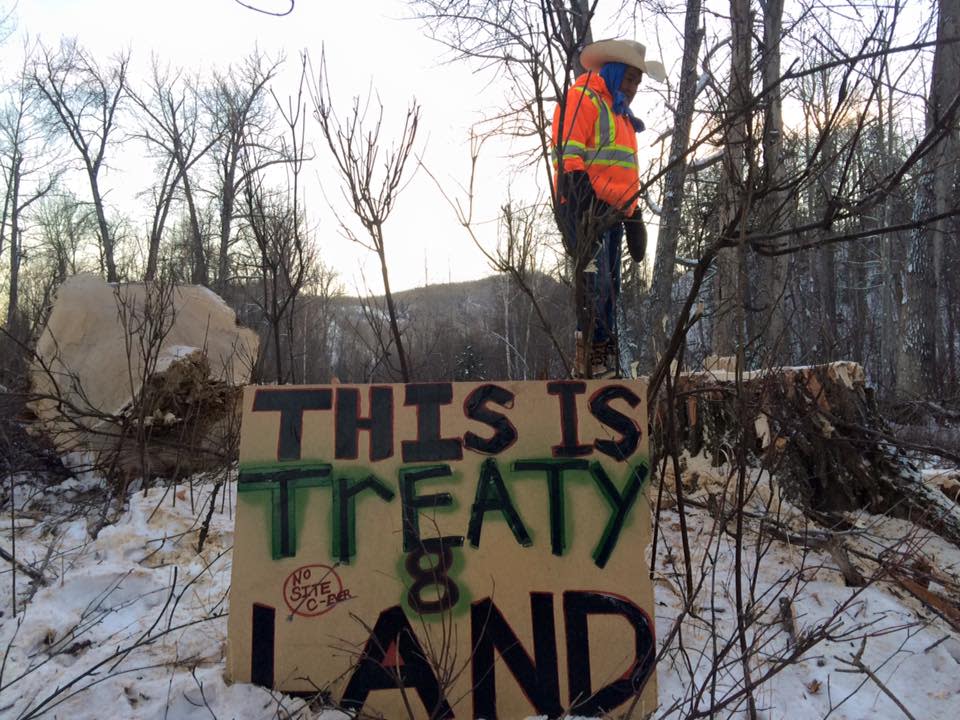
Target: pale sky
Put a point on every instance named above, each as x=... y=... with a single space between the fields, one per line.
x=366 y=42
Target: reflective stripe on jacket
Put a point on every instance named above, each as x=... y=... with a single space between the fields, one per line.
x=598 y=141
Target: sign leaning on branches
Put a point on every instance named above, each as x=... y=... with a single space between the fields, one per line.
x=441 y=550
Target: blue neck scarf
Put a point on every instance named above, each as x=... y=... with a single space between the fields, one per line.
x=612 y=74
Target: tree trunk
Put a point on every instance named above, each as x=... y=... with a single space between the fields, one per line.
x=106 y=240
x=825 y=270
x=159 y=222
x=917 y=360
x=200 y=275
x=890 y=265
x=773 y=270
x=951 y=292
x=392 y=309
x=857 y=280
x=825 y=275
x=161 y=210
x=575 y=30
x=661 y=290
x=14 y=289
x=505 y=293
x=732 y=184
x=227 y=199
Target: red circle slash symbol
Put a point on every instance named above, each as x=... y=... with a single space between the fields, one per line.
x=313 y=590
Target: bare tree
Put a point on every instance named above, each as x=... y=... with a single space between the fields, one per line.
x=356 y=149
x=279 y=264
x=83 y=98
x=64 y=227
x=31 y=169
x=170 y=124
x=275 y=219
x=241 y=120
x=317 y=324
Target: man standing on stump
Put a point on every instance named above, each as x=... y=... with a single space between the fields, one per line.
x=597 y=187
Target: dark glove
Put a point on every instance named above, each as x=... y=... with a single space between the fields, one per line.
x=636 y=236
x=579 y=200
x=577 y=192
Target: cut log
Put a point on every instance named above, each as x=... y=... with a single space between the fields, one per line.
x=818 y=431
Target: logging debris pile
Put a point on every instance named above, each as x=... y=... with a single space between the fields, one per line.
x=818 y=431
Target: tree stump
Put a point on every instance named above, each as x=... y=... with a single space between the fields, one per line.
x=818 y=431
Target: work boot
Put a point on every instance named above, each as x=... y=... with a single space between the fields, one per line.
x=602 y=363
x=600 y=355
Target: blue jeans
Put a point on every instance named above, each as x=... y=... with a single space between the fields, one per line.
x=602 y=287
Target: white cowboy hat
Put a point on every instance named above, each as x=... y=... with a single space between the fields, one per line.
x=629 y=52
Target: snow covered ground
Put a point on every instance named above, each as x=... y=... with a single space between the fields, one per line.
x=132 y=623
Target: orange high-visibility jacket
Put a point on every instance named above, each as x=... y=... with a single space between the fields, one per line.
x=598 y=141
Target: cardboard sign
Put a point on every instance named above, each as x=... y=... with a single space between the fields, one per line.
x=446 y=550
